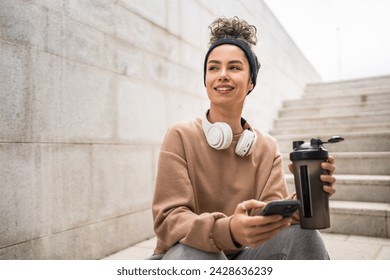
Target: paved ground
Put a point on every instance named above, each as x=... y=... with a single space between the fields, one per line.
x=340 y=247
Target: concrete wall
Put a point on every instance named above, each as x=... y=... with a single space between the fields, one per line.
x=88 y=89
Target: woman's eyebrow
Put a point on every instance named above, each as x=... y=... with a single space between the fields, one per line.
x=214 y=62
x=235 y=61
x=230 y=62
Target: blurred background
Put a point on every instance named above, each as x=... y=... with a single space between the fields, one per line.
x=342 y=39
x=89 y=88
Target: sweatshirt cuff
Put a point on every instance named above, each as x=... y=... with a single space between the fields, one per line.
x=222 y=235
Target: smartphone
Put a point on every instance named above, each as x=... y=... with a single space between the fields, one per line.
x=280 y=207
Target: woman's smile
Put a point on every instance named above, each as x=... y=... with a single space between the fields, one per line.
x=224 y=89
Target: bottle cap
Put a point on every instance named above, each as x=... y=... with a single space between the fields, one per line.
x=312 y=150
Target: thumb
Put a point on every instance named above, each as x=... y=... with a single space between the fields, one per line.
x=247 y=205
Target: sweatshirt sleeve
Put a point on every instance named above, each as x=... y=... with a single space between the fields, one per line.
x=174 y=205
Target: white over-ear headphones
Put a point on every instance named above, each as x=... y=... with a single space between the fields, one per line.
x=219 y=135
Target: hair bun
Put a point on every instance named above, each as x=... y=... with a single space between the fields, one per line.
x=234 y=27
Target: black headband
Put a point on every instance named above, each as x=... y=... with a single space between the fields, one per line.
x=254 y=64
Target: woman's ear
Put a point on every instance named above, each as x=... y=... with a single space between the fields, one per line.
x=251 y=86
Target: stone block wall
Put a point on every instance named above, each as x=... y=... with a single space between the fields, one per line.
x=87 y=91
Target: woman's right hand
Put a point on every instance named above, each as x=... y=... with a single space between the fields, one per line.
x=254 y=230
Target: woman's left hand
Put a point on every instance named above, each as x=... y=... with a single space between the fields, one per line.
x=327 y=178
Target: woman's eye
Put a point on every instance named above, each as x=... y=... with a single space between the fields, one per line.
x=211 y=68
x=234 y=67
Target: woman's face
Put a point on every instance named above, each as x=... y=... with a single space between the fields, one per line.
x=227 y=76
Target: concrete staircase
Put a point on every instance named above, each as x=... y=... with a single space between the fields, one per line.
x=359 y=111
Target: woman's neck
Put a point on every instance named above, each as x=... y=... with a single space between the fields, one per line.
x=231 y=117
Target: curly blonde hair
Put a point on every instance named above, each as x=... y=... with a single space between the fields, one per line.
x=232 y=27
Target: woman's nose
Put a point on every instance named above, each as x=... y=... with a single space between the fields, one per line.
x=223 y=76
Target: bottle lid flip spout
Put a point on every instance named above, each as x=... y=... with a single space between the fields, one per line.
x=312 y=149
x=333 y=139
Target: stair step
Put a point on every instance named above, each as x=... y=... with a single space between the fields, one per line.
x=359 y=218
x=338 y=129
x=368 y=84
x=327 y=99
x=376 y=141
x=368 y=90
x=327 y=110
x=373 y=163
x=359 y=118
x=365 y=188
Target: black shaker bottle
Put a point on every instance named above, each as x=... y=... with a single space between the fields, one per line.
x=307 y=159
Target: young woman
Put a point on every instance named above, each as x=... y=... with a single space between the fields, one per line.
x=216 y=172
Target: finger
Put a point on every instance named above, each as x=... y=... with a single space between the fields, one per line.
x=330 y=180
x=259 y=221
x=246 y=205
x=329 y=167
x=330 y=190
x=330 y=160
x=265 y=235
x=329 y=186
x=274 y=225
x=266 y=223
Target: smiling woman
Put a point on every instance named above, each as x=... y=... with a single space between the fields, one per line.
x=209 y=166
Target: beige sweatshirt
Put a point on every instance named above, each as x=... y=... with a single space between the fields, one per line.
x=198 y=187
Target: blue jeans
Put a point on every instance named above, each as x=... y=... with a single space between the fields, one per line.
x=292 y=243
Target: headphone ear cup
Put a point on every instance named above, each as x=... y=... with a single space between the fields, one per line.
x=246 y=143
x=219 y=136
